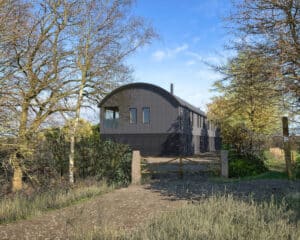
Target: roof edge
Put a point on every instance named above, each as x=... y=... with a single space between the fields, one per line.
x=178 y=100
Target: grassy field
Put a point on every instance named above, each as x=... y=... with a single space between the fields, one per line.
x=22 y=206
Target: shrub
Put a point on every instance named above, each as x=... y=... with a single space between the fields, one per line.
x=105 y=160
x=245 y=165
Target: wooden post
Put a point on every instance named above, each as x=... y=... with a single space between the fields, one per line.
x=136 y=168
x=286 y=146
x=224 y=163
x=180 y=168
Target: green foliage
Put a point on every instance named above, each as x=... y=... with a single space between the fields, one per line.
x=49 y=162
x=247 y=108
x=245 y=165
x=105 y=160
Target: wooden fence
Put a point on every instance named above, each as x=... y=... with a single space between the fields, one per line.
x=179 y=166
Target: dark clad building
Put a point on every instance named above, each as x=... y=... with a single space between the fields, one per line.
x=156 y=122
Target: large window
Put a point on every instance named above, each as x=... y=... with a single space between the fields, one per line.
x=132 y=115
x=191 y=119
x=146 y=115
x=111 y=117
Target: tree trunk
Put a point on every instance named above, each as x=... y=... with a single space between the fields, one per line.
x=17 y=183
x=16 y=157
x=287 y=147
x=73 y=132
x=71 y=156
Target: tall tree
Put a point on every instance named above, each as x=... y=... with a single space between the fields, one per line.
x=36 y=69
x=273 y=28
x=65 y=53
x=105 y=35
x=250 y=98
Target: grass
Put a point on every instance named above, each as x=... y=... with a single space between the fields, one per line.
x=22 y=206
x=216 y=218
x=276 y=170
x=273 y=163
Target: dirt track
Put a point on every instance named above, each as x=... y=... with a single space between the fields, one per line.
x=124 y=208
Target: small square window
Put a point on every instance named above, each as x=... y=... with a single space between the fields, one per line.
x=132 y=115
x=146 y=115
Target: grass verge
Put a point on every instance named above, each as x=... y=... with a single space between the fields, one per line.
x=215 y=218
x=22 y=206
x=223 y=217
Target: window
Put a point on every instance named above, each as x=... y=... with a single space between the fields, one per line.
x=132 y=115
x=146 y=115
x=198 y=121
x=111 y=117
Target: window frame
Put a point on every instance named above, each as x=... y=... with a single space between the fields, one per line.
x=136 y=118
x=143 y=115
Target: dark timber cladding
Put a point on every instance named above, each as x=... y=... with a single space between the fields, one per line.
x=156 y=122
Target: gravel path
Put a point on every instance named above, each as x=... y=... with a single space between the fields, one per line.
x=123 y=208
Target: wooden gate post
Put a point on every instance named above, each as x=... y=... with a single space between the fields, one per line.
x=180 y=168
x=287 y=146
x=136 y=168
x=224 y=163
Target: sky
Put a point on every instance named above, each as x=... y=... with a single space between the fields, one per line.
x=191 y=34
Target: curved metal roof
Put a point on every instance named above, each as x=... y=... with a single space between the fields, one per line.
x=157 y=89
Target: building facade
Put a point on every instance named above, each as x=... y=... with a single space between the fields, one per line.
x=156 y=122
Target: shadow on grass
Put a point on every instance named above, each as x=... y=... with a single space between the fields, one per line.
x=260 y=188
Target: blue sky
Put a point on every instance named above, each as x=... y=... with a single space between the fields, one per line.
x=191 y=33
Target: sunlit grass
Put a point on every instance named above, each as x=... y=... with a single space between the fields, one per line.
x=214 y=218
x=223 y=217
x=22 y=206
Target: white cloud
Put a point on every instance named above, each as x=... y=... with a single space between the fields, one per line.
x=179 y=49
x=160 y=55
x=190 y=62
x=196 y=56
x=214 y=59
x=196 y=39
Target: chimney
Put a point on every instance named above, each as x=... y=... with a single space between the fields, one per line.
x=172 y=88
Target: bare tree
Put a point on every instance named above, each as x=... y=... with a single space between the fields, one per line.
x=36 y=70
x=272 y=27
x=105 y=36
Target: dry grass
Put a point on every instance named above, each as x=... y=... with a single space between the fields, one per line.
x=215 y=218
x=223 y=218
x=22 y=206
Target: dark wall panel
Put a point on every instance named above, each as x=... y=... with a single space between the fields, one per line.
x=155 y=144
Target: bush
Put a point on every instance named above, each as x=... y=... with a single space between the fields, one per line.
x=110 y=161
x=104 y=160
x=245 y=165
